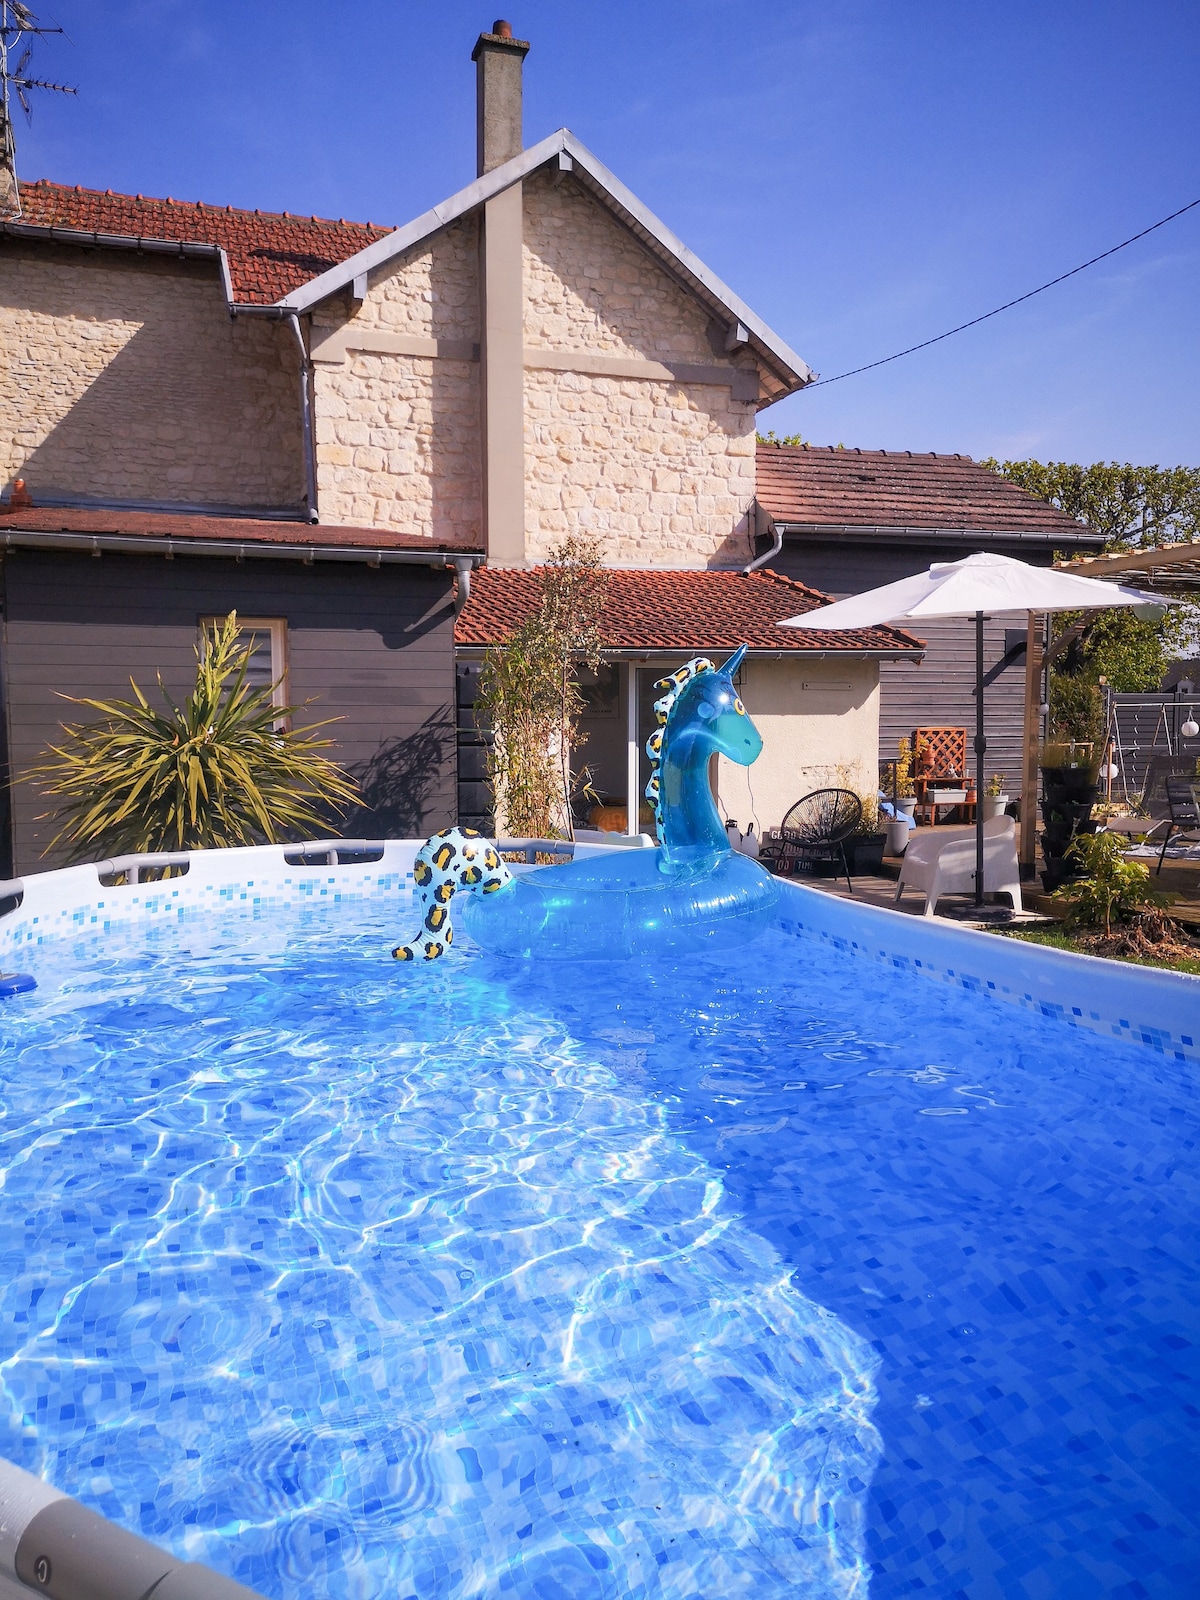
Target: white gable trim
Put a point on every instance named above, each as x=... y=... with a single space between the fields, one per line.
x=791 y=371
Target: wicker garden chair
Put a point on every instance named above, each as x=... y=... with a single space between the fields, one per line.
x=816 y=829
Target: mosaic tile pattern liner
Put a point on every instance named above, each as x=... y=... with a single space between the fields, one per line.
x=785 y=1275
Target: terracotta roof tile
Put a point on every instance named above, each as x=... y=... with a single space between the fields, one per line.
x=674 y=611
x=184 y=526
x=270 y=254
x=897 y=489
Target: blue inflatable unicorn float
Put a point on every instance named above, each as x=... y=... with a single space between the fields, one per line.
x=693 y=893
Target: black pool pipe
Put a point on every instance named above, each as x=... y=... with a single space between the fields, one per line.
x=51 y=1545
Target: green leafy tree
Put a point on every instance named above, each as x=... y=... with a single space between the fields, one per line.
x=218 y=770
x=1131 y=506
x=529 y=692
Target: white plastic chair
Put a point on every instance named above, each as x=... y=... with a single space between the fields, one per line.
x=937 y=864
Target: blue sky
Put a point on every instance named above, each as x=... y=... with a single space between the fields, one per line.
x=864 y=174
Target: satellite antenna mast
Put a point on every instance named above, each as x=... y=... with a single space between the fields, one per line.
x=18 y=28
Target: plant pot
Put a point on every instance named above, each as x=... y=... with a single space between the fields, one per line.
x=906 y=805
x=993 y=806
x=897 y=838
x=866 y=853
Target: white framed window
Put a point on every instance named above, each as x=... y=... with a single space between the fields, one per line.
x=267 y=638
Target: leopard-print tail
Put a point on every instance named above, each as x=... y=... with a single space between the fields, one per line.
x=456 y=858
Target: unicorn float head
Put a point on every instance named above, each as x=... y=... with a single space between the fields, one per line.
x=692 y=893
x=700 y=714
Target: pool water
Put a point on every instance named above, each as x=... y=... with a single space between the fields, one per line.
x=780 y=1274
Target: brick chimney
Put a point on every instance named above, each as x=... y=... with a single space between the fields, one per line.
x=498 y=59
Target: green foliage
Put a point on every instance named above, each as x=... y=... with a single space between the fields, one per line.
x=1131 y=506
x=905 y=785
x=1113 y=890
x=1076 y=709
x=529 y=692
x=787 y=438
x=215 y=772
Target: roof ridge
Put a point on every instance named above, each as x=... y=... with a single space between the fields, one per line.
x=844 y=451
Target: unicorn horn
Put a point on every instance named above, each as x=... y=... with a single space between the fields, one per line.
x=734 y=661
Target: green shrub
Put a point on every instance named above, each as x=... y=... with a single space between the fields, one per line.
x=1113 y=890
x=217 y=771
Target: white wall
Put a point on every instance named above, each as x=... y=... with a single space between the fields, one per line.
x=820 y=726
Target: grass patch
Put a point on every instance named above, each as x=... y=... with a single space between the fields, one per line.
x=1060 y=939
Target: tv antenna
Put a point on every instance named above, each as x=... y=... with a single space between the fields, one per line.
x=18 y=29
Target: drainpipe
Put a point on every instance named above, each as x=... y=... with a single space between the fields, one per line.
x=462 y=566
x=776 y=545
x=306 y=421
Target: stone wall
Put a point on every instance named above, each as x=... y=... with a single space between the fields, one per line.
x=662 y=473
x=397 y=435
x=820 y=726
x=123 y=378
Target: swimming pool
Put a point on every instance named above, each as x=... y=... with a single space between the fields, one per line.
x=785 y=1274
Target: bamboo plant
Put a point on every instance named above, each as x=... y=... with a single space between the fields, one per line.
x=529 y=693
x=217 y=771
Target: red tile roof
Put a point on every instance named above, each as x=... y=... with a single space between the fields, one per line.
x=674 y=611
x=897 y=489
x=184 y=526
x=269 y=254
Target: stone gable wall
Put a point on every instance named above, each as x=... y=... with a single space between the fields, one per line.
x=125 y=379
x=661 y=473
x=398 y=436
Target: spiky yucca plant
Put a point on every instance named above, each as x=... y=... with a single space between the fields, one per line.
x=216 y=771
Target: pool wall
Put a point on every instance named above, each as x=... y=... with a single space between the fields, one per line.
x=1118 y=1000
x=1114 y=998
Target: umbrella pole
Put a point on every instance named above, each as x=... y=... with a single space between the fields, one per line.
x=980 y=748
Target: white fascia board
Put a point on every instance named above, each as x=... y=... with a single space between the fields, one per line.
x=691 y=264
x=423 y=227
x=610 y=187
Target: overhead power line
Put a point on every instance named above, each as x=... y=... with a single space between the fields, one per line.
x=1008 y=304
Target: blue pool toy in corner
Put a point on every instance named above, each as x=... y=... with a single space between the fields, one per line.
x=693 y=893
x=12 y=983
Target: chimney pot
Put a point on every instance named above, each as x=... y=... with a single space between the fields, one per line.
x=19 y=499
x=499 y=59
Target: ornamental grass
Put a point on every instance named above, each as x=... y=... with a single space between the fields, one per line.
x=220 y=770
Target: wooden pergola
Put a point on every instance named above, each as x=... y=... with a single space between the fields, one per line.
x=1169 y=569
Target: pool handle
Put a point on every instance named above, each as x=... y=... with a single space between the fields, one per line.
x=54 y=1546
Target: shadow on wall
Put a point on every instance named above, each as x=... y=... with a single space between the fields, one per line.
x=403 y=784
x=151 y=392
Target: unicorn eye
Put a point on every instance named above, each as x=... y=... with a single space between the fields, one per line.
x=739 y=707
x=706 y=711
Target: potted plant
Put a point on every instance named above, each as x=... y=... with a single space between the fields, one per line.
x=994 y=797
x=865 y=849
x=905 y=798
x=1069 y=791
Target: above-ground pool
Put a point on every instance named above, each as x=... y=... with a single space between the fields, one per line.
x=786 y=1273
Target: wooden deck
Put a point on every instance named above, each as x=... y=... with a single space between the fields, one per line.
x=1180 y=881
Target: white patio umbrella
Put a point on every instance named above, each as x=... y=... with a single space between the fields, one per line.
x=978 y=586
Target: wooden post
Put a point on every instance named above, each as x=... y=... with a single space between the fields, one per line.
x=1033 y=728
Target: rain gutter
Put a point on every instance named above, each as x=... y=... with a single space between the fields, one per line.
x=234 y=549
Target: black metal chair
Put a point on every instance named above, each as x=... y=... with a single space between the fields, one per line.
x=816 y=829
x=1183 y=805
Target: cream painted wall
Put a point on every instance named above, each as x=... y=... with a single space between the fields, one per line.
x=820 y=726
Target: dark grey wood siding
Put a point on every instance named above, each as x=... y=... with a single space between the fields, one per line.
x=371 y=647
x=941 y=691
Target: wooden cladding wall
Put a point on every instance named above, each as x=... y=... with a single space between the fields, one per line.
x=373 y=648
x=941 y=691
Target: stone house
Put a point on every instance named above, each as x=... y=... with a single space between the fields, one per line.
x=330 y=426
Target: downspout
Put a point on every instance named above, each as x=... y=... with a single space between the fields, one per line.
x=462 y=566
x=306 y=421
x=776 y=546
